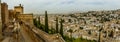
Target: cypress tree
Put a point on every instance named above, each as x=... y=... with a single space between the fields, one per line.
x=46 y=22
x=61 y=27
x=39 y=20
x=35 y=22
x=71 y=31
x=56 y=24
x=99 y=39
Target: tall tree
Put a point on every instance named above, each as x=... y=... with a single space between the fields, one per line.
x=57 y=25
x=39 y=20
x=100 y=31
x=46 y=22
x=61 y=27
x=34 y=21
x=71 y=31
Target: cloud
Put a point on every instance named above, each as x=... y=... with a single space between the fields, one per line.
x=95 y=3
x=68 y=2
x=64 y=6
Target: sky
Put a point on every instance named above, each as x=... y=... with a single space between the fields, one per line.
x=63 y=6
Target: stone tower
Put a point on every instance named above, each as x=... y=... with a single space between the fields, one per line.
x=19 y=9
x=0 y=23
x=4 y=14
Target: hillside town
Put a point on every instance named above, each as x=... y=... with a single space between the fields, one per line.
x=92 y=25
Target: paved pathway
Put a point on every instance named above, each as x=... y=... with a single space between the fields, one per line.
x=27 y=33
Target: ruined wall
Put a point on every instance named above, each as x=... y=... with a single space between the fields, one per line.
x=26 y=17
